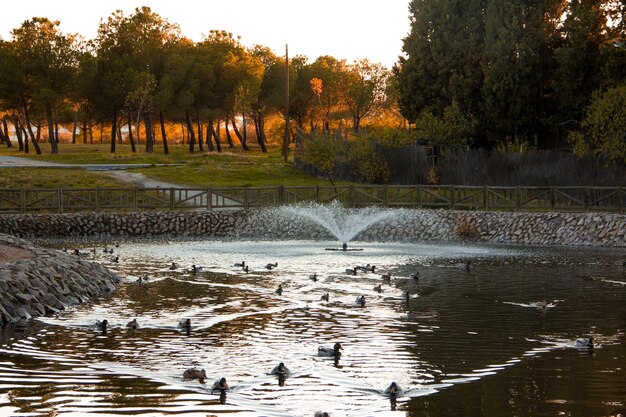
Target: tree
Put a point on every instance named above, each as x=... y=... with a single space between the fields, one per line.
x=453 y=129
x=364 y=89
x=49 y=59
x=604 y=125
x=323 y=152
x=443 y=54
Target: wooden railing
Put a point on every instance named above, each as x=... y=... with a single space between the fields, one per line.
x=611 y=199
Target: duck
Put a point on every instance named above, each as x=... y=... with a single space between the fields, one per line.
x=386 y=277
x=132 y=325
x=465 y=265
x=313 y=277
x=116 y=260
x=416 y=276
x=79 y=253
x=361 y=300
x=102 y=325
x=321 y=414
x=173 y=266
x=279 y=290
x=392 y=390
x=407 y=296
x=220 y=385
x=195 y=373
x=241 y=264
x=246 y=269
x=280 y=370
x=185 y=324
x=196 y=269
x=351 y=271
x=378 y=288
x=330 y=351
x=271 y=266
x=367 y=268
x=107 y=250
x=325 y=297
x=583 y=343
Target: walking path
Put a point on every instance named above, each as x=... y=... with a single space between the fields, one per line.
x=17 y=162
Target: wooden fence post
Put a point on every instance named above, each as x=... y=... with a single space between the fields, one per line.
x=209 y=199
x=281 y=195
x=98 y=200
x=60 y=197
x=418 y=192
x=172 y=199
x=452 y=197
x=587 y=199
x=552 y=198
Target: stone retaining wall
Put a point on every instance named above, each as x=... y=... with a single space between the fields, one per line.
x=587 y=229
x=35 y=281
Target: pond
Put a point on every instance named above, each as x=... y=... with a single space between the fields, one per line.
x=497 y=339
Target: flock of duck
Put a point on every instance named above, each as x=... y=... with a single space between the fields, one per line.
x=280 y=370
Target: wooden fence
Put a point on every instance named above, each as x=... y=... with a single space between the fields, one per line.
x=606 y=199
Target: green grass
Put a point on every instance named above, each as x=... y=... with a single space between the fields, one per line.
x=16 y=178
x=232 y=168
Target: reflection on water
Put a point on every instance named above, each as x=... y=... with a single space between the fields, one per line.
x=495 y=340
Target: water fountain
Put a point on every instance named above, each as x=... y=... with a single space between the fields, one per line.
x=342 y=223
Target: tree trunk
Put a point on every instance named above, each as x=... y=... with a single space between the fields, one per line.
x=216 y=135
x=260 y=137
x=75 y=126
x=18 y=133
x=25 y=138
x=200 y=133
x=244 y=132
x=56 y=126
x=138 y=123
x=209 y=136
x=38 y=138
x=85 y=130
x=147 y=122
x=228 y=137
x=30 y=132
x=166 y=150
x=5 y=125
x=130 y=134
x=54 y=149
x=91 y=134
x=192 y=135
x=2 y=136
x=238 y=134
x=113 y=132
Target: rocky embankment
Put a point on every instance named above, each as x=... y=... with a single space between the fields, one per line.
x=405 y=225
x=35 y=281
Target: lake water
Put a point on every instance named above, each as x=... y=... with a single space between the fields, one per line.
x=471 y=343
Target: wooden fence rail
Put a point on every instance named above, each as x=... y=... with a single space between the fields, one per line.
x=609 y=199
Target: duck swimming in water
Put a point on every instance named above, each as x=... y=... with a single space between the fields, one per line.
x=102 y=325
x=416 y=276
x=325 y=297
x=378 y=288
x=195 y=373
x=185 y=324
x=392 y=390
x=351 y=271
x=271 y=266
x=279 y=290
x=582 y=343
x=173 y=266
x=132 y=325
x=361 y=301
x=386 y=277
x=330 y=351
x=313 y=277
x=196 y=269
x=241 y=264
x=280 y=370
x=220 y=385
x=407 y=296
x=321 y=414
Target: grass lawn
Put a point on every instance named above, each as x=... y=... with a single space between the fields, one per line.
x=232 y=168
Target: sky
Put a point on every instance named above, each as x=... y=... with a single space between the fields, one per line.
x=345 y=29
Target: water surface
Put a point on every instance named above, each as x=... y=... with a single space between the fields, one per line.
x=472 y=343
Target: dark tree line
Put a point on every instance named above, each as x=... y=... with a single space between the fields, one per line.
x=517 y=70
x=140 y=70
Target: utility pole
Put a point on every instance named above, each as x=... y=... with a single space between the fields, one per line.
x=286 y=139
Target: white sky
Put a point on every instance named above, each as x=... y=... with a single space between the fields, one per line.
x=347 y=29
